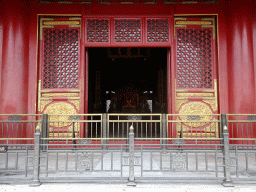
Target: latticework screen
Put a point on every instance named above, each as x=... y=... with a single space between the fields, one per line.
x=60 y=66
x=118 y=31
x=127 y=30
x=97 y=30
x=194 y=58
x=157 y=30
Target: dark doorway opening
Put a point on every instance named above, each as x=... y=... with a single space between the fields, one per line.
x=127 y=80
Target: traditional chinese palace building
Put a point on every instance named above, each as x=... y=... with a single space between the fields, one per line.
x=127 y=56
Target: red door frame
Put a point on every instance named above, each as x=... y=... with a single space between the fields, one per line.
x=112 y=43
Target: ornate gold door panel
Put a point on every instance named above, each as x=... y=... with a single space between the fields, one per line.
x=196 y=98
x=59 y=87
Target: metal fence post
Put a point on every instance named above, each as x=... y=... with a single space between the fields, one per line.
x=104 y=127
x=131 y=158
x=164 y=132
x=45 y=130
x=35 y=182
x=227 y=182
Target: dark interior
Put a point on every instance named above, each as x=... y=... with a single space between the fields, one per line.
x=128 y=80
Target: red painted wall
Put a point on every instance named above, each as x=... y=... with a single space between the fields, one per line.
x=236 y=56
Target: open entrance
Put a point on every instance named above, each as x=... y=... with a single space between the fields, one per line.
x=128 y=80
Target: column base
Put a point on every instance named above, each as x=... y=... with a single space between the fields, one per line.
x=131 y=183
x=227 y=183
x=35 y=183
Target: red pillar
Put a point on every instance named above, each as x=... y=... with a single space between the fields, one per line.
x=13 y=94
x=13 y=98
x=254 y=47
x=241 y=66
x=240 y=61
x=223 y=65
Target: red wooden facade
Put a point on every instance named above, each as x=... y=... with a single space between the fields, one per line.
x=35 y=34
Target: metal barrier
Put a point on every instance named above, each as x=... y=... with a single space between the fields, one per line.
x=145 y=125
x=147 y=128
x=129 y=155
x=65 y=129
x=194 y=129
x=18 y=129
x=241 y=128
x=17 y=145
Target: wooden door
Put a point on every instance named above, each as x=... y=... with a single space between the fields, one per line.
x=195 y=82
x=61 y=73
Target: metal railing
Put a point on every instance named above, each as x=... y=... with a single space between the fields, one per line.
x=71 y=129
x=18 y=129
x=147 y=128
x=193 y=129
x=162 y=146
x=17 y=144
x=241 y=128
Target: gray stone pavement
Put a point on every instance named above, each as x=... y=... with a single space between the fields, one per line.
x=178 y=187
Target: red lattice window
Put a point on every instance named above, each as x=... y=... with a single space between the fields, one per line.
x=194 y=58
x=157 y=30
x=97 y=30
x=128 y=30
x=60 y=67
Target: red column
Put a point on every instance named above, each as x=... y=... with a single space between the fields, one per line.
x=254 y=47
x=254 y=54
x=13 y=98
x=223 y=66
x=240 y=61
x=241 y=68
x=13 y=94
x=1 y=50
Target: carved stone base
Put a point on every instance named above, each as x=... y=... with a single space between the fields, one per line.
x=131 y=183
x=227 y=183
x=35 y=183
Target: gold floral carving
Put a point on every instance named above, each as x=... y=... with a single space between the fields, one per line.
x=43 y=103
x=194 y=94
x=61 y=23
x=60 y=108
x=56 y=135
x=212 y=103
x=50 y=23
x=70 y=128
x=212 y=130
x=205 y=22
x=60 y=94
x=198 y=135
x=195 y=109
x=193 y=23
x=75 y=102
x=179 y=103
